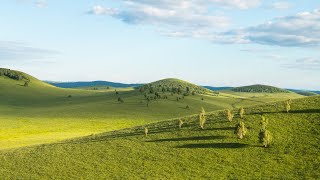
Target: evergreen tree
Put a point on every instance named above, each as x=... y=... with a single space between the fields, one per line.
x=265 y=137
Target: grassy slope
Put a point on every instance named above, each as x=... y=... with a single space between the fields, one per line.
x=187 y=153
x=42 y=113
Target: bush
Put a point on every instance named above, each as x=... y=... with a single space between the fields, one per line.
x=146 y=131
x=180 y=123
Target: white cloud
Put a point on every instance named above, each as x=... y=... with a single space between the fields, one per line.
x=281 y=5
x=300 y=30
x=307 y=63
x=179 y=14
x=41 y=3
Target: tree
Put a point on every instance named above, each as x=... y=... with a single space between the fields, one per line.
x=265 y=137
x=241 y=112
x=187 y=107
x=264 y=122
x=229 y=115
x=240 y=130
x=288 y=105
x=26 y=83
x=180 y=123
x=202 y=118
x=116 y=92
x=146 y=131
x=120 y=100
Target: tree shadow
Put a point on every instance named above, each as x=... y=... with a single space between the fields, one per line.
x=214 y=146
x=216 y=129
x=195 y=138
x=301 y=111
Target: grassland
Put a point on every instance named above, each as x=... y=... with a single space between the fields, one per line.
x=41 y=113
x=188 y=153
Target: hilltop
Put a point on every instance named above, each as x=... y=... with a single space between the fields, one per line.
x=175 y=86
x=258 y=88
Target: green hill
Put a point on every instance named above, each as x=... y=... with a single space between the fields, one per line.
x=188 y=153
x=175 y=86
x=259 y=89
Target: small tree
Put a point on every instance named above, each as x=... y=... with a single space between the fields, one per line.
x=264 y=122
x=180 y=123
x=26 y=83
x=240 y=130
x=229 y=115
x=241 y=112
x=146 y=131
x=202 y=118
x=265 y=137
x=187 y=107
x=120 y=100
x=288 y=105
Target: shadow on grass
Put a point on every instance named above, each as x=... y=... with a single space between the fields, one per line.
x=214 y=146
x=195 y=138
x=302 y=111
x=216 y=129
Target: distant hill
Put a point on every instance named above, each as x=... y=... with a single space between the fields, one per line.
x=176 y=86
x=91 y=84
x=217 y=88
x=259 y=89
x=305 y=92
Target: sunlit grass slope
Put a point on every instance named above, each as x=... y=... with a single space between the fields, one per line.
x=188 y=153
x=41 y=113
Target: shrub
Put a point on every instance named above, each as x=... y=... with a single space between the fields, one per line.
x=202 y=118
x=240 y=130
x=26 y=83
x=120 y=100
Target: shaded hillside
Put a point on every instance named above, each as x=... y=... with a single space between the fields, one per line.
x=259 y=89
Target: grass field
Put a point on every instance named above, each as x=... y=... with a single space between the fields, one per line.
x=188 y=153
x=42 y=113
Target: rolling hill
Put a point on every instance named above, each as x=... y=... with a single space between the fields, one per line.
x=41 y=113
x=259 y=89
x=167 y=152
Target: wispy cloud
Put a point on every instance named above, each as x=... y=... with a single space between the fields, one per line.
x=41 y=3
x=280 y=5
x=16 y=52
x=308 y=63
x=300 y=30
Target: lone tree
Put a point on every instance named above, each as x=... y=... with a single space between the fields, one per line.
x=180 y=123
x=202 y=118
x=229 y=115
x=240 y=130
x=288 y=105
x=265 y=137
x=241 y=112
x=146 y=131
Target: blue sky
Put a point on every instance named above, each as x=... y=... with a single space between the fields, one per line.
x=208 y=42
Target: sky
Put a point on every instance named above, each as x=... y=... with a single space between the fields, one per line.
x=207 y=42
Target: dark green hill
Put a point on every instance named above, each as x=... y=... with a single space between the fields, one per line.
x=175 y=86
x=258 y=88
